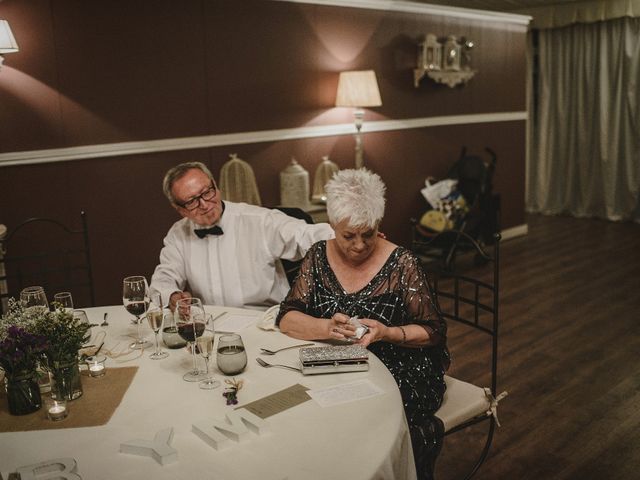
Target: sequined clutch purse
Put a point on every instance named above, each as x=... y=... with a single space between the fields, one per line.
x=334 y=359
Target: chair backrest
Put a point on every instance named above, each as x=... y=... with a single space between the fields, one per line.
x=291 y=268
x=296 y=212
x=45 y=252
x=471 y=300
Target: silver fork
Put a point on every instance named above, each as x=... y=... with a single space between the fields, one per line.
x=266 y=351
x=268 y=365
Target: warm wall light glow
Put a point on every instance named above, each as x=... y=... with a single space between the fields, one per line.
x=358 y=89
x=8 y=42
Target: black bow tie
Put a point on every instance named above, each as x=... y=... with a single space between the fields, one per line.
x=203 y=232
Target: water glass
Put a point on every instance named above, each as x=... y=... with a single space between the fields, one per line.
x=231 y=356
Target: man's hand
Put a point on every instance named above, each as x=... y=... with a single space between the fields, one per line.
x=175 y=296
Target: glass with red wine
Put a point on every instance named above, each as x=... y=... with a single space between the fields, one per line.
x=191 y=322
x=135 y=297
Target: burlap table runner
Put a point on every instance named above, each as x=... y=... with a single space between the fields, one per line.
x=101 y=397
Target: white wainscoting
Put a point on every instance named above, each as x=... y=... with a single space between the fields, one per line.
x=87 y=152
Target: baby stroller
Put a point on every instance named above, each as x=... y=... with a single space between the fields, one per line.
x=471 y=207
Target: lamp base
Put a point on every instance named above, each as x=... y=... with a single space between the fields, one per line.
x=358 y=115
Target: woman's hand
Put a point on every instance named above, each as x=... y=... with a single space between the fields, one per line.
x=377 y=331
x=339 y=327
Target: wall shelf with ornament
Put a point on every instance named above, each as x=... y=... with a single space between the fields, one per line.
x=447 y=63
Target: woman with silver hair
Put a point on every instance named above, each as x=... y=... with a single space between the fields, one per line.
x=359 y=274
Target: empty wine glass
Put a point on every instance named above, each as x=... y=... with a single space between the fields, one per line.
x=190 y=320
x=135 y=297
x=34 y=298
x=231 y=356
x=81 y=317
x=205 y=347
x=64 y=300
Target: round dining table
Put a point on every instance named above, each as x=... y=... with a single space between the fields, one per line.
x=357 y=439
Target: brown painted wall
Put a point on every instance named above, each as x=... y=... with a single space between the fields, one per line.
x=99 y=72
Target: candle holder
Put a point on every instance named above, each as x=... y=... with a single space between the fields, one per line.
x=96 y=365
x=55 y=409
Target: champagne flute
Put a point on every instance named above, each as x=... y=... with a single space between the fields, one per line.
x=190 y=320
x=205 y=347
x=231 y=356
x=155 y=316
x=135 y=297
x=34 y=298
x=64 y=300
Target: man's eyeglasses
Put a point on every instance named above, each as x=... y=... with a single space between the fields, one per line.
x=194 y=202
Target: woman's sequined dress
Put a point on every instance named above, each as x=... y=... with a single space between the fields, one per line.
x=398 y=294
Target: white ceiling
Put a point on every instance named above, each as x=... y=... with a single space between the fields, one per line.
x=500 y=5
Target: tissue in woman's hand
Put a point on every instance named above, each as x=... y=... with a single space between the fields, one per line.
x=360 y=328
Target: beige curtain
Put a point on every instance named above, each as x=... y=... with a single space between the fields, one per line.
x=584 y=138
x=586 y=11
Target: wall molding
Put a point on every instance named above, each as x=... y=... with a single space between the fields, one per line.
x=86 y=152
x=424 y=9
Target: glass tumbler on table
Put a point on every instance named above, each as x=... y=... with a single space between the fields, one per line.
x=231 y=356
x=190 y=320
x=135 y=297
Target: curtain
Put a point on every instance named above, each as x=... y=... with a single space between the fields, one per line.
x=584 y=128
x=584 y=11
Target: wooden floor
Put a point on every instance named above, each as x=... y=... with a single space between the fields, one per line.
x=569 y=357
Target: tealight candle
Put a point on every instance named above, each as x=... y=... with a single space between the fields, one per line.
x=96 y=366
x=56 y=409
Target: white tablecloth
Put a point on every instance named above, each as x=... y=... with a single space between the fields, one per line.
x=365 y=439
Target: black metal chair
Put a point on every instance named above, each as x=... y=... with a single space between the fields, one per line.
x=292 y=267
x=45 y=252
x=473 y=303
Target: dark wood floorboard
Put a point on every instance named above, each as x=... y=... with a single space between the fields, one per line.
x=569 y=357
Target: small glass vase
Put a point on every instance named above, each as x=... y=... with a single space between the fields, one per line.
x=65 y=380
x=23 y=393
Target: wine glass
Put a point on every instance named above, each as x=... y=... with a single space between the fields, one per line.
x=190 y=320
x=34 y=298
x=81 y=317
x=135 y=297
x=64 y=300
x=205 y=347
x=231 y=356
x=155 y=316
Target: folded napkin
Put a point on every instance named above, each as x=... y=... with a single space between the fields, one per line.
x=268 y=320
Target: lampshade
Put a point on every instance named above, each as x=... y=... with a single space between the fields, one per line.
x=358 y=89
x=8 y=43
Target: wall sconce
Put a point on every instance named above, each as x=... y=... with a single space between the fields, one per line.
x=358 y=89
x=449 y=64
x=8 y=43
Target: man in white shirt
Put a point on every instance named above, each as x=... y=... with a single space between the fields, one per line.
x=226 y=253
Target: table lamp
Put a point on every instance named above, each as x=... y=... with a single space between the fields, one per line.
x=358 y=89
x=8 y=43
